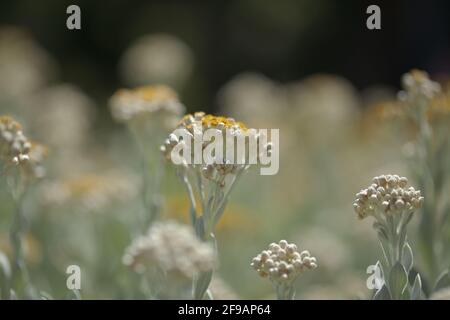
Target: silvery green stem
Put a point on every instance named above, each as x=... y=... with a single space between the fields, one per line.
x=209 y=295
x=20 y=271
x=152 y=172
x=398 y=262
x=77 y=294
x=285 y=291
x=193 y=206
x=205 y=215
x=5 y=277
x=426 y=163
x=220 y=209
x=202 y=281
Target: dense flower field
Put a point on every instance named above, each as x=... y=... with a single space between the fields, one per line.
x=358 y=209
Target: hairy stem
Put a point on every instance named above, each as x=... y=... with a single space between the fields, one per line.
x=20 y=271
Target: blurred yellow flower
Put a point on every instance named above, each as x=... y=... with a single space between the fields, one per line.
x=236 y=217
x=127 y=104
x=92 y=192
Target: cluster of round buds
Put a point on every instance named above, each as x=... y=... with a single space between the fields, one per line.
x=388 y=194
x=282 y=262
x=172 y=248
x=128 y=104
x=14 y=145
x=227 y=128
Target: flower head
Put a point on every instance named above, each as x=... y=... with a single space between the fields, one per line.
x=128 y=104
x=282 y=262
x=418 y=92
x=387 y=195
x=225 y=127
x=172 y=248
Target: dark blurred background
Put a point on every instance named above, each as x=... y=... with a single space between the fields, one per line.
x=284 y=40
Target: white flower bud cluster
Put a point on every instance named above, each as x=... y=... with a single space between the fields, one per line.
x=388 y=194
x=216 y=169
x=128 y=104
x=282 y=262
x=14 y=145
x=417 y=83
x=170 y=247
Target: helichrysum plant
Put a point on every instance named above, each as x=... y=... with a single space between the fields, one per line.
x=282 y=263
x=392 y=204
x=150 y=112
x=20 y=161
x=426 y=106
x=170 y=255
x=209 y=185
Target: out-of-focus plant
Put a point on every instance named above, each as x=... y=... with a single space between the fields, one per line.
x=209 y=185
x=254 y=97
x=157 y=58
x=170 y=256
x=392 y=204
x=428 y=108
x=282 y=264
x=26 y=66
x=90 y=193
x=149 y=112
x=20 y=165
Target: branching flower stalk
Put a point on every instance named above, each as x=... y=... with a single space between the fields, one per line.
x=428 y=165
x=20 y=161
x=209 y=185
x=392 y=204
x=282 y=264
x=149 y=112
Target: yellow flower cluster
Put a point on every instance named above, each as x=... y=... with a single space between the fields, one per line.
x=210 y=121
